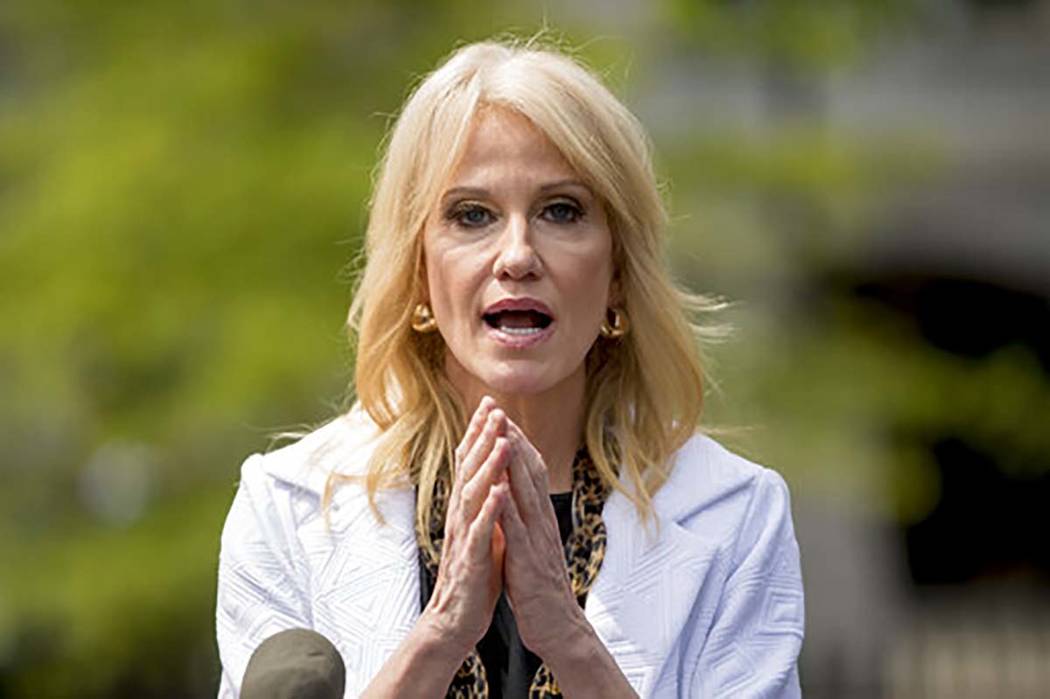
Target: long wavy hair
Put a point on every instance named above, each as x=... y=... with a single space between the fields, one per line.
x=644 y=392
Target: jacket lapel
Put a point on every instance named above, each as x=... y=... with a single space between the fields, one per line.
x=646 y=588
x=366 y=586
x=361 y=578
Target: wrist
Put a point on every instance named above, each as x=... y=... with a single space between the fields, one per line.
x=440 y=638
x=422 y=667
x=583 y=667
x=572 y=643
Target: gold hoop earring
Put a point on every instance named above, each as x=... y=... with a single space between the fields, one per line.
x=423 y=320
x=618 y=327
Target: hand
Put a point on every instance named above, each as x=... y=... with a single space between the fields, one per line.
x=537 y=581
x=470 y=578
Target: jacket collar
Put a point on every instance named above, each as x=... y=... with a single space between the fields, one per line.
x=644 y=592
x=342 y=446
x=650 y=577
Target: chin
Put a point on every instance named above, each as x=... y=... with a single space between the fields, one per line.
x=517 y=382
x=508 y=377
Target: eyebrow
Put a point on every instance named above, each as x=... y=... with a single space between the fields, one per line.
x=481 y=192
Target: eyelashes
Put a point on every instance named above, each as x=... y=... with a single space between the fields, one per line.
x=563 y=212
x=469 y=215
x=475 y=215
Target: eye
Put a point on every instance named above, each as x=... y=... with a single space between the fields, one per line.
x=470 y=215
x=563 y=212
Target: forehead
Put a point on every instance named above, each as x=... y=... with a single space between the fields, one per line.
x=502 y=143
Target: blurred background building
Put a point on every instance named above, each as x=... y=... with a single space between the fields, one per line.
x=182 y=192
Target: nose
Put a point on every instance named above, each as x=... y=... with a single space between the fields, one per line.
x=517 y=257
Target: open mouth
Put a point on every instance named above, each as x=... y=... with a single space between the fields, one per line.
x=518 y=322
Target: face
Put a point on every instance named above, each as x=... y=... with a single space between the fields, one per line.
x=518 y=260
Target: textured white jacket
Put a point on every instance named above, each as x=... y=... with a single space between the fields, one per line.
x=710 y=607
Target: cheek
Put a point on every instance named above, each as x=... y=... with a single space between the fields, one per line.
x=589 y=293
x=434 y=270
x=438 y=290
x=597 y=299
x=601 y=274
x=449 y=287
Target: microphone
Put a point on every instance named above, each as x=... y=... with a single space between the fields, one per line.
x=295 y=663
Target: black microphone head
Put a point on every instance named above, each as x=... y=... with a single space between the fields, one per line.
x=296 y=663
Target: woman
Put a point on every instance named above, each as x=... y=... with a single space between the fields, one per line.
x=519 y=502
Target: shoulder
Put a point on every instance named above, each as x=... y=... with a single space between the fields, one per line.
x=280 y=491
x=342 y=446
x=704 y=474
x=712 y=491
x=751 y=598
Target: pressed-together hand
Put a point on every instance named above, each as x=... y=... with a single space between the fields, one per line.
x=470 y=577
x=501 y=533
x=534 y=571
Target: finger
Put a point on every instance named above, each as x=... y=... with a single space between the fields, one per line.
x=534 y=506
x=471 y=458
x=513 y=526
x=532 y=459
x=479 y=540
x=523 y=488
x=485 y=478
x=474 y=427
x=495 y=426
x=521 y=539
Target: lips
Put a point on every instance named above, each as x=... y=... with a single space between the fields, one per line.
x=522 y=304
x=523 y=314
x=519 y=322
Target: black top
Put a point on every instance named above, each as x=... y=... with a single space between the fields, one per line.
x=509 y=665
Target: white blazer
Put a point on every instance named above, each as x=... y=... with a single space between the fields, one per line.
x=712 y=606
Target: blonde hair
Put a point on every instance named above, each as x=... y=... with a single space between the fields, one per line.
x=644 y=392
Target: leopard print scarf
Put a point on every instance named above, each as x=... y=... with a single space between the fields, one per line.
x=584 y=551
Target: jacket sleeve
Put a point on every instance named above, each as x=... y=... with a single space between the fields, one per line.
x=259 y=592
x=755 y=637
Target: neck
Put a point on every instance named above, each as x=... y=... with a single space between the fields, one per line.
x=551 y=419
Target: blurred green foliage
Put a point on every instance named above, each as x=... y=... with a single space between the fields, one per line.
x=182 y=189
x=800 y=35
